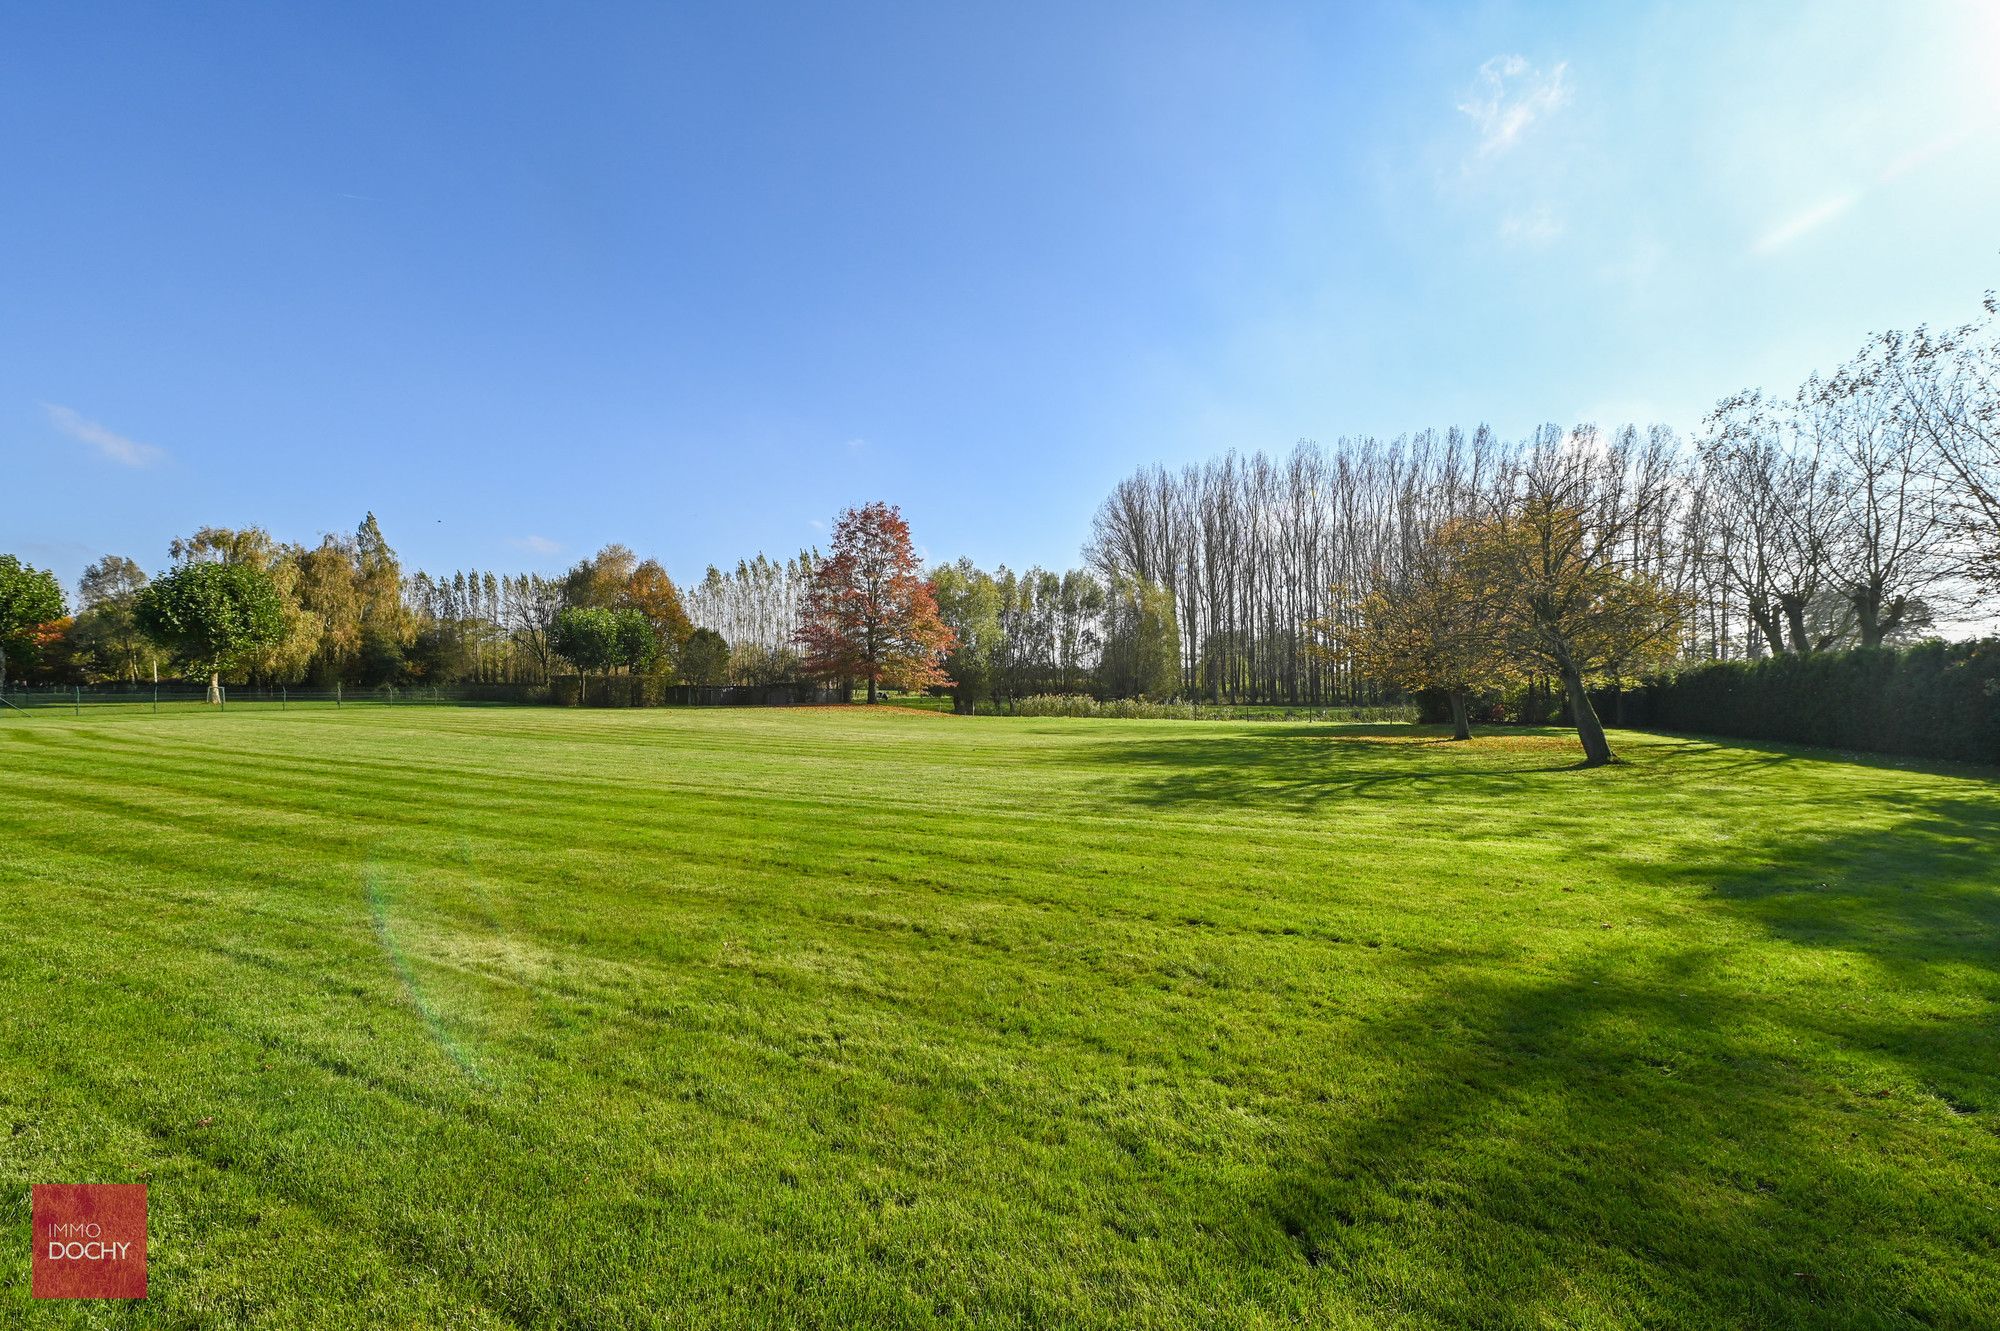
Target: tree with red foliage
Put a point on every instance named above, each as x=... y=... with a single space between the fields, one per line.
x=868 y=613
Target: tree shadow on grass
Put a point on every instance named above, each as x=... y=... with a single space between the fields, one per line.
x=1728 y=1133
x=1912 y=881
x=1674 y=1131
x=1620 y=1150
x=1306 y=769
x=1723 y=753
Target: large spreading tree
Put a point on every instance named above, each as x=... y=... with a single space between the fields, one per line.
x=28 y=596
x=1572 y=562
x=215 y=616
x=652 y=593
x=1431 y=626
x=869 y=613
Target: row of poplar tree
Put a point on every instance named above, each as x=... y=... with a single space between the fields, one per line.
x=1860 y=510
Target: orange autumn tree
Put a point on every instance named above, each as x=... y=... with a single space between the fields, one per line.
x=652 y=593
x=868 y=613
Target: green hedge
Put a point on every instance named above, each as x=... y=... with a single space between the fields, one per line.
x=1936 y=700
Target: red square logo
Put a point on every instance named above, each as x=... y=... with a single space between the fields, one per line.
x=90 y=1241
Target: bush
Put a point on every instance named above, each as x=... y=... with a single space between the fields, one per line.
x=1934 y=700
x=1136 y=709
x=1079 y=704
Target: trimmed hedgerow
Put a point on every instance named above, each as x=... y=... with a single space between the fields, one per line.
x=1934 y=700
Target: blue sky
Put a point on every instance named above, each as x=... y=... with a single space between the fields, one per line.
x=524 y=280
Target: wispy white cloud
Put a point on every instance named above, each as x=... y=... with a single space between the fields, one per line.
x=1923 y=154
x=536 y=545
x=1837 y=205
x=1508 y=96
x=1803 y=223
x=1532 y=226
x=116 y=447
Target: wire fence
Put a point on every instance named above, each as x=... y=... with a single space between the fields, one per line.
x=77 y=700
x=18 y=700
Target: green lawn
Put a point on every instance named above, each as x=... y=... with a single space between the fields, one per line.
x=494 y=1017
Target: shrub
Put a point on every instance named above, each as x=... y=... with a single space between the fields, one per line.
x=1136 y=709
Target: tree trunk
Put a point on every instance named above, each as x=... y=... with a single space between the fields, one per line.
x=1770 y=626
x=872 y=695
x=1461 y=726
x=1867 y=618
x=1596 y=748
x=1876 y=616
x=1795 y=619
x=214 y=688
x=1866 y=599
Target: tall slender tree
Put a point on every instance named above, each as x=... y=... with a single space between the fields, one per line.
x=969 y=602
x=106 y=633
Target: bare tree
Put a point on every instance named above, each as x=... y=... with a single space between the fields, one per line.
x=1781 y=513
x=1891 y=557
x=532 y=607
x=1944 y=388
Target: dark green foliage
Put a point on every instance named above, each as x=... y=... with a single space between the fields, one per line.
x=28 y=595
x=214 y=615
x=638 y=641
x=382 y=659
x=1934 y=700
x=587 y=637
x=704 y=658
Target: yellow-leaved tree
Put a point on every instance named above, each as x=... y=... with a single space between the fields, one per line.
x=1429 y=625
x=1575 y=561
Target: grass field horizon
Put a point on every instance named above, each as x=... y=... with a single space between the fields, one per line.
x=848 y=1016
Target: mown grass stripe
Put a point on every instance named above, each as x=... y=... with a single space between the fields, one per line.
x=840 y=1018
